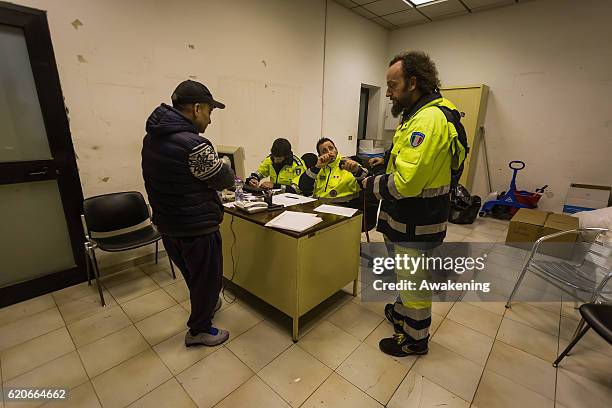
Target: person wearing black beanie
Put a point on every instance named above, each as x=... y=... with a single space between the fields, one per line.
x=281 y=166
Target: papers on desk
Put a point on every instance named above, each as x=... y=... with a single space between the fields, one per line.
x=229 y=205
x=294 y=221
x=288 y=199
x=334 y=209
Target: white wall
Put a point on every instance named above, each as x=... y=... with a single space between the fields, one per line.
x=355 y=54
x=263 y=58
x=549 y=66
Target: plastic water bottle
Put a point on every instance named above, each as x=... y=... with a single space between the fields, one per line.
x=238 y=184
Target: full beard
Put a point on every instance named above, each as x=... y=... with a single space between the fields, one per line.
x=396 y=109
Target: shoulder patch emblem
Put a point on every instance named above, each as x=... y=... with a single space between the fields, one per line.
x=416 y=138
x=298 y=172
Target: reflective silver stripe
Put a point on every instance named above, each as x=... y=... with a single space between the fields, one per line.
x=414 y=314
x=311 y=174
x=108 y=234
x=434 y=192
x=364 y=174
x=429 y=229
x=376 y=188
x=296 y=189
x=338 y=199
x=415 y=334
x=398 y=226
x=393 y=187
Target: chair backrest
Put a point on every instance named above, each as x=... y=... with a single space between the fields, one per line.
x=116 y=211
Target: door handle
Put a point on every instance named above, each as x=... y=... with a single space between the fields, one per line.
x=44 y=172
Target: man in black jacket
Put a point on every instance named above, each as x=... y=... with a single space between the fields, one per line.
x=182 y=174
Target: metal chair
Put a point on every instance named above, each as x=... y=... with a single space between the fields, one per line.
x=116 y=222
x=589 y=276
x=595 y=316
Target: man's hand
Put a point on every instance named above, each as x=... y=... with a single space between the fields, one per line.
x=266 y=185
x=323 y=160
x=253 y=182
x=364 y=182
x=350 y=165
x=375 y=161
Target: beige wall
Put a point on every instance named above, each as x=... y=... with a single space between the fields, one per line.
x=549 y=66
x=355 y=54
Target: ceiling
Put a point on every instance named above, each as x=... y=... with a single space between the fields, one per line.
x=393 y=14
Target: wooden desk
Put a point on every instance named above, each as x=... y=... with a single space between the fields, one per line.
x=294 y=272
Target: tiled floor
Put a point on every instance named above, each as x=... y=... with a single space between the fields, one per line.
x=131 y=352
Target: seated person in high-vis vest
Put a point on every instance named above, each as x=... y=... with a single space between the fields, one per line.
x=283 y=168
x=333 y=178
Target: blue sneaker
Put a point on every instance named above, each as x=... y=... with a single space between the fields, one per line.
x=213 y=337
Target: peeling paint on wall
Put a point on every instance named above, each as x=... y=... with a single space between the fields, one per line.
x=81 y=59
x=76 y=24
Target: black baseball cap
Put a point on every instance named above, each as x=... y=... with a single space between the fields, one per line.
x=194 y=92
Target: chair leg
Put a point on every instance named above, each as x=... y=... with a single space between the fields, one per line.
x=518 y=283
x=171 y=268
x=97 y=273
x=156 y=250
x=87 y=264
x=569 y=347
x=580 y=326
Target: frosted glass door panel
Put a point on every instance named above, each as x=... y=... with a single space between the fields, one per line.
x=22 y=130
x=34 y=240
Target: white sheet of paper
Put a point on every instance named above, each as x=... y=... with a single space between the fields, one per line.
x=288 y=199
x=294 y=221
x=334 y=209
x=229 y=205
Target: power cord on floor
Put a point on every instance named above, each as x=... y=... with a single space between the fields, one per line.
x=229 y=297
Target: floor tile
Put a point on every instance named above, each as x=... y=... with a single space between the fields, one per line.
x=35 y=352
x=236 y=319
x=441 y=308
x=575 y=391
x=84 y=307
x=163 y=325
x=72 y=293
x=82 y=396
x=336 y=392
x=249 y=392
x=130 y=380
x=148 y=305
x=132 y=289
x=528 y=339
x=355 y=320
x=168 y=395
x=499 y=308
x=497 y=391
x=63 y=372
x=93 y=328
x=475 y=318
x=178 y=290
x=417 y=391
x=29 y=327
x=260 y=345
x=451 y=371
x=329 y=344
x=294 y=375
x=215 y=377
x=164 y=277
x=177 y=356
x=109 y=351
x=587 y=363
x=523 y=368
x=534 y=317
x=26 y=308
x=464 y=341
x=123 y=276
x=373 y=372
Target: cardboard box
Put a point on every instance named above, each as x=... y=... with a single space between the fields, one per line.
x=528 y=225
x=586 y=197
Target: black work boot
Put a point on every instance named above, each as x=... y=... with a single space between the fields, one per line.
x=399 y=346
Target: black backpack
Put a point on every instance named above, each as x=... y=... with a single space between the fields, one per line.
x=453 y=116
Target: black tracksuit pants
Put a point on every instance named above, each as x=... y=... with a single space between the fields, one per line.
x=200 y=260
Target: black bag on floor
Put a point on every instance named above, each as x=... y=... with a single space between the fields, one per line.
x=464 y=207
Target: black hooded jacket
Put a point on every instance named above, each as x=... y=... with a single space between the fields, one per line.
x=182 y=174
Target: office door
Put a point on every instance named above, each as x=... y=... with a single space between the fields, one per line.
x=40 y=193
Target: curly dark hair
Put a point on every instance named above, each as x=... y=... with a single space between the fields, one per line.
x=323 y=140
x=418 y=64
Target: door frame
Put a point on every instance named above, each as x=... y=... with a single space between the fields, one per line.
x=62 y=167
